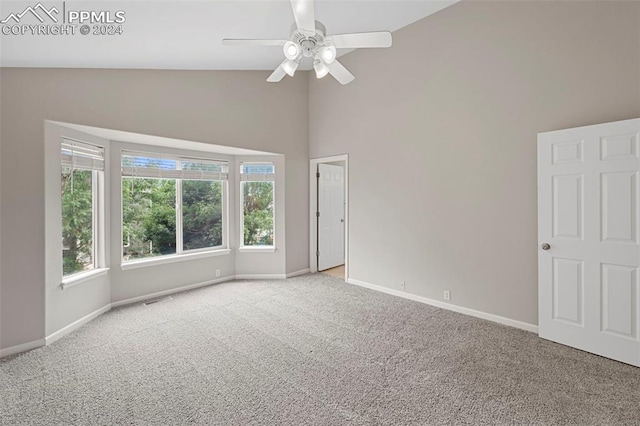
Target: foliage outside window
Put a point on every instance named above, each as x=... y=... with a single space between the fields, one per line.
x=148 y=217
x=171 y=206
x=81 y=164
x=257 y=188
x=201 y=214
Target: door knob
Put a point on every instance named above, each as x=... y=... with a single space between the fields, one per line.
x=545 y=246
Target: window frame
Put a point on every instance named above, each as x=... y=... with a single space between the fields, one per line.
x=180 y=230
x=95 y=246
x=241 y=245
x=180 y=253
x=98 y=222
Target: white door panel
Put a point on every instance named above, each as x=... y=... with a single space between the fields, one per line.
x=588 y=213
x=331 y=219
x=568 y=289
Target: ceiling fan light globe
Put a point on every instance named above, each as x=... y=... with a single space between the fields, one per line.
x=291 y=50
x=321 y=69
x=328 y=54
x=290 y=67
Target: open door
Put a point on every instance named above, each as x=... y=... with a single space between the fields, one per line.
x=589 y=238
x=331 y=216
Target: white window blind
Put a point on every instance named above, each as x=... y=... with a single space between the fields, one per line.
x=144 y=165
x=81 y=156
x=257 y=172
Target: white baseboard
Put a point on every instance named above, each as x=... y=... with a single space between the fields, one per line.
x=204 y=284
x=298 y=273
x=76 y=325
x=170 y=291
x=23 y=347
x=460 y=309
x=261 y=276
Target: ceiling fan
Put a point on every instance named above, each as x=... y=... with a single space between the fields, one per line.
x=308 y=39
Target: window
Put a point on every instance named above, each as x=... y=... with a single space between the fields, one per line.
x=82 y=167
x=201 y=214
x=148 y=217
x=257 y=189
x=171 y=205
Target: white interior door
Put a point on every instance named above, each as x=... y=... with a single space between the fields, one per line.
x=331 y=216
x=589 y=238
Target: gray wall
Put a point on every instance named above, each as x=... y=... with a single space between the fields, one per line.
x=236 y=108
x=441 y=135
x=440 y=131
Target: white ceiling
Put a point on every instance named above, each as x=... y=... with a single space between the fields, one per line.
x=187 y=34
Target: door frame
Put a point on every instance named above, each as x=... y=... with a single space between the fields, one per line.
x=313 y=208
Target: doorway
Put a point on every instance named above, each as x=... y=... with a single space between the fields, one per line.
x=329 y=215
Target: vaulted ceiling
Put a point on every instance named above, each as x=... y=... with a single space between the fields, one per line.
x=187 y=34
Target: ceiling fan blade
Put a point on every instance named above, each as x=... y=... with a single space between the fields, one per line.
x=278 y=74
x=251 y=42
x=340 y=73
x=361 y=40
x=303 y=11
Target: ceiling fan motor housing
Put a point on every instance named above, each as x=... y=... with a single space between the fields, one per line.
x=309 y=43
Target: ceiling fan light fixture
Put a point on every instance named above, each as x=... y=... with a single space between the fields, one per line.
x=290 y=67
x=328 y=54
x=308 y=38
x=292 y=50
x=321 y=69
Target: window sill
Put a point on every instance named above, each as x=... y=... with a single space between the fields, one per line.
x=82 y=278
x=161 y=260
x=257 y=249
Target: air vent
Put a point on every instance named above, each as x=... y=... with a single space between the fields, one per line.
x=154 y=301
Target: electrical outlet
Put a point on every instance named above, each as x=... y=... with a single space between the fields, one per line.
x=217 y=272
x=403 y=285
x=447 y=295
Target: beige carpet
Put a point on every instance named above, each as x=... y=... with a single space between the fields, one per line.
x=311 y=350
